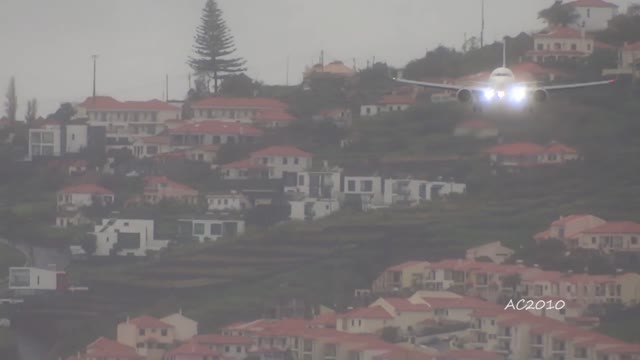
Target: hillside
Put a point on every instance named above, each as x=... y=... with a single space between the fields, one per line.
x=322 y=262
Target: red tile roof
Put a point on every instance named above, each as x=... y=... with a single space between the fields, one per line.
x=336 y=68
x=149 y=322
x=402 y=304
x=396 y=100
x=329 y=318
x=217 y=339
x=237 y=102
x=561 y=32
x=616 y=227
x=217 y=127
x=86 y=189
x=632 y=46
x=107 y=348
x=592 y=3
x=109 y=103
x=280 y=151
x=276 y=115
x=166 y=182
x=373 y=312
x=244 y=164
x=192 y=348
x=517 y=149
x=567 y=219
x=406 y=265
x=557 y=148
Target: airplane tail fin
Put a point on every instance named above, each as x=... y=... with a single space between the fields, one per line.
x=504 y=52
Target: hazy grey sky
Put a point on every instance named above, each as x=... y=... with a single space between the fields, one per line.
x=47 y=44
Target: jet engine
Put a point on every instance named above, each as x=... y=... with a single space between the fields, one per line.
x=540 y=95
x=464 y=95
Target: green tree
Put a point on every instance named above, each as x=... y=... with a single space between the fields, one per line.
x=32 y=111
x=64 y=113
x=11 y=104
x=621 y=29
x=214 y=46
x=559 y=14
x=239 y=85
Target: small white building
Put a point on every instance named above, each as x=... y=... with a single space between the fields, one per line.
x=312 y=209
x=150 y=146
x=321 y=184
x=228 y=201
x=35 y=279
x=387 y=103
x=369 y=189
x=594 y=14
x=211 y=227
x=126 y=237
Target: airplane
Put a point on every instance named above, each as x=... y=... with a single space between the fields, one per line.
x=502 y=87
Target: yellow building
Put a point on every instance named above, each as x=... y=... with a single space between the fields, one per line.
x=408 y=275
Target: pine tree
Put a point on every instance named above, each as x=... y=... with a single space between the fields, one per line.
x=214 y=46
x=11 y=105
x=32 y=111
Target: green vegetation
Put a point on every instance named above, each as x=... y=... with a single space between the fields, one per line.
x=9 y=256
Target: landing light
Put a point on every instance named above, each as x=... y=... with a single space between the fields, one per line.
x=500 y=94
x=489 y=94
x=518 y=94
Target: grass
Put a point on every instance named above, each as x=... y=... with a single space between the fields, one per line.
x=9 y=256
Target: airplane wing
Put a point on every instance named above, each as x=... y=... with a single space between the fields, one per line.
x=438 y=85
x=576 y=86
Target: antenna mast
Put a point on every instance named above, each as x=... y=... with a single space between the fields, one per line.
x=482 y=27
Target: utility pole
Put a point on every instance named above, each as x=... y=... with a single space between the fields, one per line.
x=287 y=77
x=166 y=83
x=482 y=27
x=95 y=58
x=322 y=59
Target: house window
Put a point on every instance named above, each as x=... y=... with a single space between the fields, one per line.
x=593 y=240
x=540 y=47
x=589 y=47
x=588 y=13
x=296 y=161
x=557 y=46
x=351 y=185
x=574 y=47
x=238 y=349
x=163 y=332
x=226 y=349
x=308 y=345
x=141 y=332
x=634 y=240
x=140 y=345
x=216 y=229
x=301 y=180
x=198 y=229
x=285 y=161
x=366 y=186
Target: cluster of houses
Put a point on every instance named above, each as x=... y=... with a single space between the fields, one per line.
x=523 y=155
x=589 y=232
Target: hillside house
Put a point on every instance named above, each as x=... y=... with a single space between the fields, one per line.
x=310 y=209
x=192 y=351
x=227 y=201
x=126 y=237
x=408 y=275
x=283 y=161
x=594 y=14
x=184 y=327
x=158 y=188
x=340 y=116
x=388 y=103
x=210 y=227
x=125 y=121
x=318 y=184
x=77 y=196
x=107 y=349
x=232 y=347
x=205 y=153
x=366 y=190
x=413 y=192
x=239 y=109
x=273 y=118
x=561 y=44
x=70 y=216
x=212 y=132
x=53 y=140
x=150 y=337
x=528 y=154
x=628 y=62
x=613 y=236
x=151 y=146
x=367 y=320
x=243 y=170
x=495 y=251
x=479 y=129
x=568 y=229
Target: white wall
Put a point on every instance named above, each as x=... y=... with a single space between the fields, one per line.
x=594 y=18
x=108 y=231
x=214 y=232
x=44 y=142
x=21 y=278
x=319 y=209
x=281 y=164
x=77 y=138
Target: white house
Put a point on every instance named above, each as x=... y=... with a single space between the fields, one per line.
x=369 y=189
x=126 y=237
x=406 y=191
x=561 y=44
x=321 y=184
x=312 y=209
x=212 y=132
x=184 y=327
x=282 y=159
x=151 y=146
x=233 y=201
x=211 y=227
x=48 y=140
x=76 y=196
x=235 y=108
x=594 y=14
